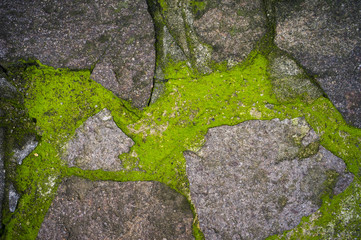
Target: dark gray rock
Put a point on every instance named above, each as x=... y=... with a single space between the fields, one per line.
x=117 y=210
x=231 y=27
x=290 y=82
x=177 y=17
x=116 y=35
x=7 y=90
x=2 y=169
x=325 y=37
x=259 y=178
x=167 y=51
x=97 y=144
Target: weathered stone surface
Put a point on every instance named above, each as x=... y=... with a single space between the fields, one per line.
x=13 y=198
x=7 y=90
x=97 y=144
x=231 y=27
x=177 y=17
x=2 y=169
x=116 y=35
x=117 y=210
x=290 y=81
x=21 y=152
x=324 y=36
x=259 y=178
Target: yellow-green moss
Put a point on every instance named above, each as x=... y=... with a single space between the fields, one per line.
x=61 y=100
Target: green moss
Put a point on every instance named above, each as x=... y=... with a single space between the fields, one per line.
x=61 y=100
x=309 y=150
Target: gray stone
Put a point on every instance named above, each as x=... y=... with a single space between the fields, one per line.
x=83 y=34
x=176 y=18
x=231 y=27
x=249 y=181
x=325 y=37
x=84 y=209
x=97 y=144
x=13 y=198
x=25 y=149
x=7 y=90
x=289 y=81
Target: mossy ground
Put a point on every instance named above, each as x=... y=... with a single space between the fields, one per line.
x=61 y=100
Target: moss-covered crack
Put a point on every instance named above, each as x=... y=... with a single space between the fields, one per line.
x=61 y=100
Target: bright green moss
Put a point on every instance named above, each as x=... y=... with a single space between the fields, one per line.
x=61 y=100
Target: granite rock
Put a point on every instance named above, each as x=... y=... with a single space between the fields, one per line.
x=325 y=37
x=97 y=144
x=84 y=209
x=82 y=34
x=231 y=27
x=290 y=82
x=177 y=16
x=259 y=178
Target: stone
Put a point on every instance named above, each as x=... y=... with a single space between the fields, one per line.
x=252 y=180
x=2 y=169
x=324 y=37
x=13 y=198
x=22 y=151
x=176 y=18
x=97 y=144
x=290 y=81
x=84 y=209
x=231 y=27
x=116 y=35
x=7 y=90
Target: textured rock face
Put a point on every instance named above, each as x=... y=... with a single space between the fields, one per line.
x=115 y=36
x=259 y=178
x=176 y=18
x=290 y=81
x=97 y=144
x=2 y=169
x=7 y=90
x=117 y=210
x=324 y=36
x=30 y=143
x=231 y=27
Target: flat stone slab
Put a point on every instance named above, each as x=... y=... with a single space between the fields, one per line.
x=97 y=144
x=325 y=37
x=117 y=37
x=117 y=210
x=259 y=178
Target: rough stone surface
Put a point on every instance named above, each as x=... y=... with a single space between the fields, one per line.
x=13 y=198
x=247 y=181
x=2 y=169
x=97 y=144
x=30 y=143
x=117 y=210
x=176 y=18
x=231 y=27
x=116 y=35
x=290 y=81
x=325 y=37
x=7 y=90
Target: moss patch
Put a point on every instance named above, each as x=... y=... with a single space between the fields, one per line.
x=61 y=100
